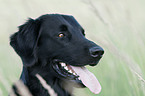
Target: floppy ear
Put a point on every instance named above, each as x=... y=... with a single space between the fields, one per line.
x=25 y=41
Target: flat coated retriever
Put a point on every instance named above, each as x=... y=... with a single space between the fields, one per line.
x=54 y=46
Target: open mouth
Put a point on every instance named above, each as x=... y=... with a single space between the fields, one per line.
x=65 y=70
x=78 y=74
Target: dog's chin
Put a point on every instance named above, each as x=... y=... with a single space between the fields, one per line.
x=66 y=73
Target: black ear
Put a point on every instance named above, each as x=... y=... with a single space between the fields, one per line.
x=25 y=41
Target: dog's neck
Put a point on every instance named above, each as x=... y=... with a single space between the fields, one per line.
x=36 y=87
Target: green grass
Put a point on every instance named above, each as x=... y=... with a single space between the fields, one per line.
x=117 y=26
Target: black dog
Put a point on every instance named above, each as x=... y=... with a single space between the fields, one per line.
x=54 y=46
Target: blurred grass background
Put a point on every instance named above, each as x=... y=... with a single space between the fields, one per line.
x=116 y=25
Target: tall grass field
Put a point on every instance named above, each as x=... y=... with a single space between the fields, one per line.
x=116 y=25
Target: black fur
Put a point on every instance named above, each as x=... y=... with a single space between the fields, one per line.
x=38 y=44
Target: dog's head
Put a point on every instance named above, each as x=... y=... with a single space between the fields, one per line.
x=56 y=44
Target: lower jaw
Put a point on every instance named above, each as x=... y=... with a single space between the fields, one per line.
x=77 y=83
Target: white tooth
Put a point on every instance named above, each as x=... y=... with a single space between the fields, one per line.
x=79 y=78
x=70 y=71
x=74 y=74
x=63 y=64
x=65 y=67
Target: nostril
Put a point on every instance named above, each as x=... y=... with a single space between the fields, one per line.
x=101 y=52
x=96 y=51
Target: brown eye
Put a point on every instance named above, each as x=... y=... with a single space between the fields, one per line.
x=61 y=35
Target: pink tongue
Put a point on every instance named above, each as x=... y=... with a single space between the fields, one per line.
x=88 y=79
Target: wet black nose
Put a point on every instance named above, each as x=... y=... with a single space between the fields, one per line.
x=96 y=51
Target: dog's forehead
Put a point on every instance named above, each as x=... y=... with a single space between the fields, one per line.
x=58 y=19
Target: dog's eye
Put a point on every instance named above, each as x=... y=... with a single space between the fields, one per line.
x=61 y=35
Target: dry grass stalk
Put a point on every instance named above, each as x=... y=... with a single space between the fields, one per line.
x=12 y=93
x=97 y=13
x=46 y=86
x=140 y=77
x=22 y=89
